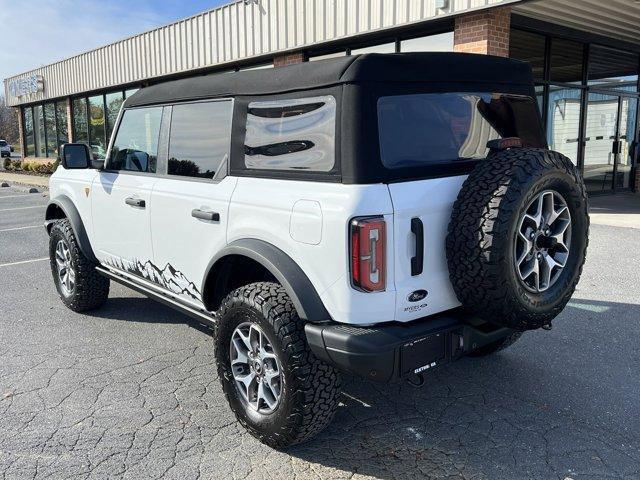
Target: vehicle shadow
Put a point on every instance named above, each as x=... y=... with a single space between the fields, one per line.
x=145 y=310
x=553 y=404
x=536 y=410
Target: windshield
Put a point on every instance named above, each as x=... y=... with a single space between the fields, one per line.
x=435 y=128
x=3 y=143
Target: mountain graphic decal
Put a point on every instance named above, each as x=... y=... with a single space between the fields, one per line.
x=169 y=277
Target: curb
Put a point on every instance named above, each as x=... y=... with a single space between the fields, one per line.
x=24 y=184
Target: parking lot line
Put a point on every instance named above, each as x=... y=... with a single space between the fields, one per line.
x=23 y=261
x=20 y=228
x=22 y=208
x=14 y=196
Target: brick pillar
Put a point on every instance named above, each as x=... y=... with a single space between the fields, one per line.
x=288 y=59
x=485 y=32
x=69 y=118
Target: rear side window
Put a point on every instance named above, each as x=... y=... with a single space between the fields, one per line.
x=436 y=128
x=135 y=147
x=200 y=139
x=297 y=134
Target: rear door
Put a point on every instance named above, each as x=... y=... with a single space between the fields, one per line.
x=435 y=134
x=121 y=193
x=191 y=202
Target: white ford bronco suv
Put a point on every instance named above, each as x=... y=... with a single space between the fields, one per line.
x=379 y=215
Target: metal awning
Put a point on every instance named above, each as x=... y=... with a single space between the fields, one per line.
x=619 y=19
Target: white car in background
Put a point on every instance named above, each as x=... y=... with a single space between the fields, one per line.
x=5 y=149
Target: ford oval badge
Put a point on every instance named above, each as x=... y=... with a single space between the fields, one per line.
x=417 y=295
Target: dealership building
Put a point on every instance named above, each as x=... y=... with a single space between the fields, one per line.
x=585 y=56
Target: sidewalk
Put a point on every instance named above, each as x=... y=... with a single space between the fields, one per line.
x=621 y=210
x=19 y=178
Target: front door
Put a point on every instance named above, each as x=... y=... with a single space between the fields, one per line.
x=191 y=203
x=121 y=193
x=609 y=142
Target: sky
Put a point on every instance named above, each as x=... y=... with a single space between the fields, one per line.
x=39 y=32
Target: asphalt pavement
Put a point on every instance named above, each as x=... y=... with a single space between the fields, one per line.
x=130 y=391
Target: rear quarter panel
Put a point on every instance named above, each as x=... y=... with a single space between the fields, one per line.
x=316 y=239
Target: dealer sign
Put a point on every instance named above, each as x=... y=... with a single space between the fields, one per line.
x=20 y=87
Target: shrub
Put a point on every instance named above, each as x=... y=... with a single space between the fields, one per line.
x=7 y=164
x=16 y=164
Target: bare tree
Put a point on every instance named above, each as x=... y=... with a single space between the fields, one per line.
x=9 y=129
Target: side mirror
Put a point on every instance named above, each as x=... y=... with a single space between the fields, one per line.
x=75 y=155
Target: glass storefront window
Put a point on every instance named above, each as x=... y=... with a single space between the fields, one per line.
x=627 y=138
x=113 y=102
x=38 y=128
x=80 y=124
x=613 y=69
x=529 y=47
x=540 y=98
x=50 y=129
x=381 y=48
x=97 y=132
x=28 y=132
x=566 y=61
x=131 y=91
x=563 y=121
x=601 y=126
x=341 y=53
x=442 y=42
x=63 y=127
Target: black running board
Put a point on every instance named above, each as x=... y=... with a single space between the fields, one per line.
x=203 y=316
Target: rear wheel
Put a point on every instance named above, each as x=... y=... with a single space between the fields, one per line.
x=79 y=285
x=278 y=390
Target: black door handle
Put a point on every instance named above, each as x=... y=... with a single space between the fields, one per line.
x=135 y=202
x=417 y=261
x=205 y=215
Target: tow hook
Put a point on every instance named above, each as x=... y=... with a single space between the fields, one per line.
x=416 y=380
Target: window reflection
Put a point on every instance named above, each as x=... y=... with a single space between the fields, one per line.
x=28 y=131
x=80 y=123
x=613 y=69
x=291 y=134
x=381 y=48
x=136 y=145
x=50 y=129
x=113 y=101
x=566 y=61
x=529 y=47
x=63 y=127
x=200 y=139
x=97 y=136
x=563 y=118
x=442 y=42
x=38 y=126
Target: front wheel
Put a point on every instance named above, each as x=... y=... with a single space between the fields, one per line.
x=278 y=390
x=80 y=286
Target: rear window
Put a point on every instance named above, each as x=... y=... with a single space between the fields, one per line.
x=434 y=128
x=294 y=134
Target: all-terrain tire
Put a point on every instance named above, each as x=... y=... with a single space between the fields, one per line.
x=91 y=289
x=480 y=241
x=497 y=346
x=310 y=387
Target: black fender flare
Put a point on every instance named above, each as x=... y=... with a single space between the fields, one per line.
x=303 y=294
x=65 y=204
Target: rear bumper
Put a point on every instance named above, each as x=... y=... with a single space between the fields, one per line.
x=391 y=352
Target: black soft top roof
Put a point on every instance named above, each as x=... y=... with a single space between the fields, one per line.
x=374 y=67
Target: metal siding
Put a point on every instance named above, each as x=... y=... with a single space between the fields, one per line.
x=234 y=32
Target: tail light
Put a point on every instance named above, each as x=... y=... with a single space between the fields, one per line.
x=368 y=247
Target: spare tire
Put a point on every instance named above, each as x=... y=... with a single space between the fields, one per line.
x=518 y=237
